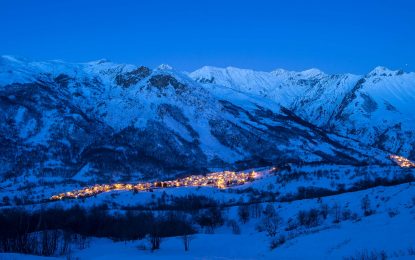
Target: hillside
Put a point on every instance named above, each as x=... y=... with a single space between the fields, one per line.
x=375 y=108
x=103 y=122
x=101 y=160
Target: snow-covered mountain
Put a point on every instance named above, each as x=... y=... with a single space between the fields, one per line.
x=326 y=139
x=115 y=121
x=376 y=109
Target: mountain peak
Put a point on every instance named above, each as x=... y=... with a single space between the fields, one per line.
x=12 y=59
x=165 y=67
x=280 y=71
x=312 y=72
x=100 y=61
x=380 y=71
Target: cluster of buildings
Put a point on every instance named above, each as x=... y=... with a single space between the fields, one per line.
x=219 y=180
x=402 y=161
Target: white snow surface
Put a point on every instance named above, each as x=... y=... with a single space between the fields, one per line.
x=380 y=231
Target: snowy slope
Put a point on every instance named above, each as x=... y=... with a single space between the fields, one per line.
x=64 y=126
x=103 y=122
x=380 y=111
x=389 y=229
x=375 y=108
x=311 y=93
x=278 y=85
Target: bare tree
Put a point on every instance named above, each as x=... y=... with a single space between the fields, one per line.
x=256 y=210
x=49 y=242
x=270 y=210
x=324 y=210
x=271 y=220
x=308 y=218
x=66 y=244
x=155 y=241
x=186 y=238
x=154 y=237
x=271 y=224
x=336 y=212
x=365 y=204
x=210 y=219
x=234 y=226
x=243 y=213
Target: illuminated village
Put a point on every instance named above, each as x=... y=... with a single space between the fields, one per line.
x=402 y=161
x=219 y=180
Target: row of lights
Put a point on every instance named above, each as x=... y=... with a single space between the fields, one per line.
x=402 y=161
x=219 y=180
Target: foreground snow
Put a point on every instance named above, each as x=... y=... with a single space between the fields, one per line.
x=395 y=236
x=382 y=230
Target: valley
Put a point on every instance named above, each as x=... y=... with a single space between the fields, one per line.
x=282 y=164
x=207 y=130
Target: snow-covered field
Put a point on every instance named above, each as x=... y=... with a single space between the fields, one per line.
x=389 y=228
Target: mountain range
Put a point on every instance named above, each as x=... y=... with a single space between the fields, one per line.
x=100 y=121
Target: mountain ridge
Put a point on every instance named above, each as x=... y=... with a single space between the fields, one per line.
x=382 y=99
x=127 y=122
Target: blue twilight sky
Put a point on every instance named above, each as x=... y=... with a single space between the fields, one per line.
x=333 y=35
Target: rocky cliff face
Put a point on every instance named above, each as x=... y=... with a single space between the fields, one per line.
x=101 y=121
